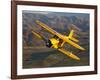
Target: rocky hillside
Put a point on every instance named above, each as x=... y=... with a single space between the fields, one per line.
x=61 y=22
x=35 y=54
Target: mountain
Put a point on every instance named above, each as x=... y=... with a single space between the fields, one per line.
x=35 y=54
x=61 y=22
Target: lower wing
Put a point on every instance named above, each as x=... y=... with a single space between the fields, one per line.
x=74 y=44
x=69 y=54
x=38 y=35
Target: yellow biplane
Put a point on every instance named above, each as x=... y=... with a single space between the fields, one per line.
x=58 y=40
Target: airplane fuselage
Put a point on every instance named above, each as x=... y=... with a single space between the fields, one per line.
x=54 y=43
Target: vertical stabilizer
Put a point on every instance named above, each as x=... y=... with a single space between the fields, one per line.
x=71 y=36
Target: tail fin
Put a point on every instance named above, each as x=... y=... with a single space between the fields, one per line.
x=71 y=36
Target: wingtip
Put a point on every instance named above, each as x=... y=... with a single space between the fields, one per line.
x=74 y=57
x=78 y=59
x=37 y=21
x=83 y=49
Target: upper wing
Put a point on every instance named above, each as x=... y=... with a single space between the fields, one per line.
x=69 y=54
x=48 y=29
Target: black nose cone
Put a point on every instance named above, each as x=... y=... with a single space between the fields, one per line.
x=49 y=44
